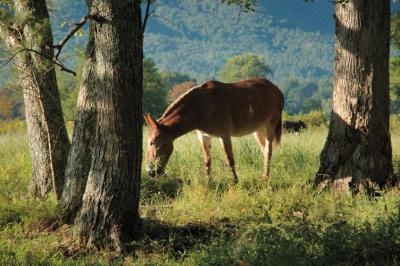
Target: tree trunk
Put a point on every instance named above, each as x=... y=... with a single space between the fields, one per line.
x=48 y=139
x=109 y=214
x=358 y=153
x=80 y=155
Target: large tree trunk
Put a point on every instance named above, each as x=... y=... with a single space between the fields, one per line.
x=358 y=152
x=80 y=155
x=48 y=139
x=112 y=163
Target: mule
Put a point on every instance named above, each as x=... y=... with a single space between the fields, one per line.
x=222 y=110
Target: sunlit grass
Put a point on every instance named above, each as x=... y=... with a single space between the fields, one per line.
x=191 y=221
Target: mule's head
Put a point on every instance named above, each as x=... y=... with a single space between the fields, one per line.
x=159 y=148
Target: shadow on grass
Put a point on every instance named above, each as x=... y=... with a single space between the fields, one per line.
x=159 y=236
x=302 y=242
x=167 y=186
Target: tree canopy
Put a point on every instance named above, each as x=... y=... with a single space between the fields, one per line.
x=244 y=66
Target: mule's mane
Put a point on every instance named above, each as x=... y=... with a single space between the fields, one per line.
x=177 y=101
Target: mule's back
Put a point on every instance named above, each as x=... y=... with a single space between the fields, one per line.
x=238 y=108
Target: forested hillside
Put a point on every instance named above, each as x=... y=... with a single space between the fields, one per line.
x=196 y=38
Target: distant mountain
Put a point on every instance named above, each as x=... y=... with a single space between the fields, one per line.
x=197 y=37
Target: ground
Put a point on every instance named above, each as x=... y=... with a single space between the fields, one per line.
x=189 y=221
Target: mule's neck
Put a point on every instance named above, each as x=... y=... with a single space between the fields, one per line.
x=180 y=117
x=177 y=124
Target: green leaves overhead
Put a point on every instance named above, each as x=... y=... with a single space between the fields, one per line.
x=244 y=5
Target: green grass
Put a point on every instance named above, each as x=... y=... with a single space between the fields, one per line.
x=190 y=221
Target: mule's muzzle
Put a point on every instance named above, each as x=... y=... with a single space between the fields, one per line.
x=151 y=173
x=154 y=172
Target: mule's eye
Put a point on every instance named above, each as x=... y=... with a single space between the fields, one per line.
x=152 y=143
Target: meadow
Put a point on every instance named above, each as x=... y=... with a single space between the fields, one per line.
x=190 y=221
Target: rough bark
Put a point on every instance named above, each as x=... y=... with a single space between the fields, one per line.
x=357 y=154
x=79 y=159
x=109 y=214
x=48 y=139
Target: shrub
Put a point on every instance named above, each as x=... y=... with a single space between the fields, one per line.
x=178 y=90
x=12 y=126
x=312 y=119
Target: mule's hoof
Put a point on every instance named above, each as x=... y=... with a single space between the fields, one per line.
x=235 y=180
x=266 y=178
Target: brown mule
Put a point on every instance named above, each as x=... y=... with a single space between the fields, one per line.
x=222 y=110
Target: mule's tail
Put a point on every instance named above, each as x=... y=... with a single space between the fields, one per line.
x=278 y=132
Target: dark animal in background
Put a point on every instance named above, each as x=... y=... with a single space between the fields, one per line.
x=293 y=126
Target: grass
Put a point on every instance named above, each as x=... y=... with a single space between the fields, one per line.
x=188 y=221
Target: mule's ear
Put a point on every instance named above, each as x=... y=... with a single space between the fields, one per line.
x=150 y=121
x=145 y=118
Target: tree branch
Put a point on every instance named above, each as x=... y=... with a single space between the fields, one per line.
x=53 y=60
x=245 y=6
x=77 y=26
x=146 y=15
x=11 y=58
x=9 y=29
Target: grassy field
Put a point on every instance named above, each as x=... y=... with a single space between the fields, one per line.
x=188 y=221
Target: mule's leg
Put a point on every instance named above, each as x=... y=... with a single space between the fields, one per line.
x=205 y=141
x=227 y=144
x=260 y=137
x=269 y=137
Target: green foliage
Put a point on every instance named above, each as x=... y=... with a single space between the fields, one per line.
x=69 y=86
x=394 y=123
x=395 y=84
x=313 y=119
x=156 y=86
x=304 y=96
x=244 y=66
x=395 y=29
x=154 y=89
x=6 y=11
x=395 y=63
x=173 y=78
x=199 y=40
x=395 y=77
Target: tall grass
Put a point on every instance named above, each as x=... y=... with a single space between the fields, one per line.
x=191 y=221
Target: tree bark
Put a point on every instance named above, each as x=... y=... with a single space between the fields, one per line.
x=80 y=156
x=47 y=135
x=112 y=163
x=358 y=154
